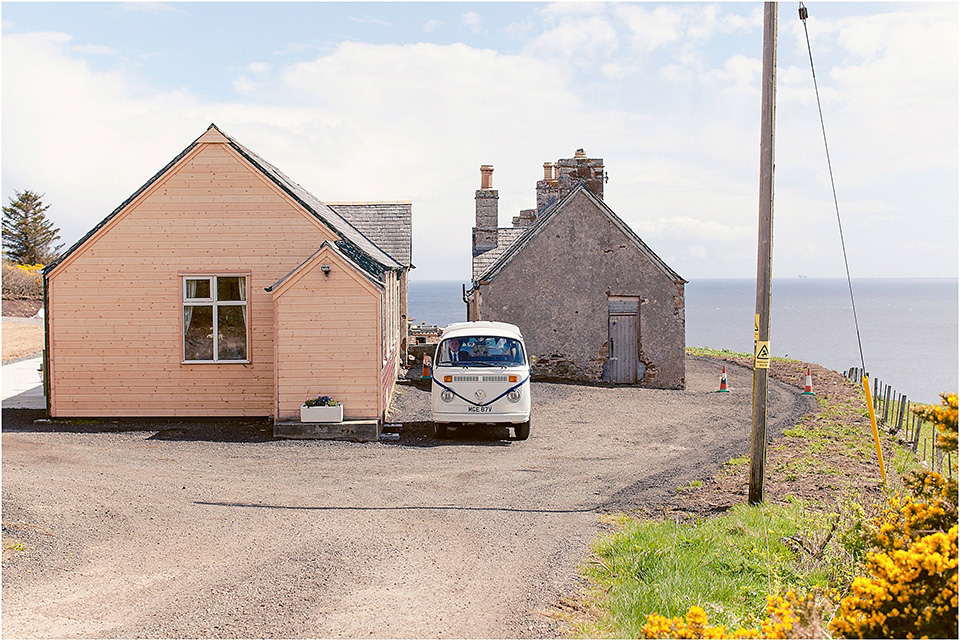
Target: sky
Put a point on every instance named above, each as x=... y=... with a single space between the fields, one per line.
x=405 y=101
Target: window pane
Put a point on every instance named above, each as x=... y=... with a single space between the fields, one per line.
x=198 y=288
x=232 y=338
x=231 y=288
x=198 y=333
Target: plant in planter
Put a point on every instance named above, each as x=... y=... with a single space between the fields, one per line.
x=321 y=401
x=322 y=409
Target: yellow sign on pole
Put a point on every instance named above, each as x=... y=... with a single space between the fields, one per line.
x=756 y=328
x=761 y=358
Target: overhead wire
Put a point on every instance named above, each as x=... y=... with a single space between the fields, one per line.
x=846 y=263
x=833 y=184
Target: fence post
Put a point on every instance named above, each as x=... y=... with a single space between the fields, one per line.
x=917 y=425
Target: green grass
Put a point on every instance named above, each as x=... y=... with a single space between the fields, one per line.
x=727 y=565
x=718 y=353
x=726 y=353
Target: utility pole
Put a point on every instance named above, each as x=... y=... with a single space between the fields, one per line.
x=761 y=363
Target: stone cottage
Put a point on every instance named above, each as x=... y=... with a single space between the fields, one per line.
x=594 y=302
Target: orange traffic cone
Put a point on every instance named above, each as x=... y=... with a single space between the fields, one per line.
x=425 y=372
x=723 y=380
x=808 y=384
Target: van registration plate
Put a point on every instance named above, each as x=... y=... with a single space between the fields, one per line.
x=479 y=410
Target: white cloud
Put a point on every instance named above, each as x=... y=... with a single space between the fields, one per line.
x=430 y=26
x=414 y=122
x=472 y=19
x=652 y=28
x=244 y=86
x=739 y=73
x=577 y=40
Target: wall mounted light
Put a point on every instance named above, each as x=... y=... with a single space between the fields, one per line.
x=325 y=269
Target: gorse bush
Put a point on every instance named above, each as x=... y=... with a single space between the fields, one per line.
x=912 y=588
x=788 y=617
x=22 y=281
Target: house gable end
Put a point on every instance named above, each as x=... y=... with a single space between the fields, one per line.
x=551 y=212
x=327 y=253
x=374 y=260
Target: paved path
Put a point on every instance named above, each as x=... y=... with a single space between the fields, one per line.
x=21 y=385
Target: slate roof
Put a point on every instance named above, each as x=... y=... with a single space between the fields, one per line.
x=506 y=236
x=548 y=213
x=387 y=224
x=335 y=250
x=352 y=242
x=332 y=219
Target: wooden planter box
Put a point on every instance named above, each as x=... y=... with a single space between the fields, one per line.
x=321 y=414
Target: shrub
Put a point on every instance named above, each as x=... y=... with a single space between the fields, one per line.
x=912 y=588
x=22 y=281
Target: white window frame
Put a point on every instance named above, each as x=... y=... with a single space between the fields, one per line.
x=212 y=301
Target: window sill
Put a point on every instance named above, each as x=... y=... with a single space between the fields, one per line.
x=214 y=362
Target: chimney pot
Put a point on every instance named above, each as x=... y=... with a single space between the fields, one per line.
x=580 y=154
x=548 y=171
x=486 y=176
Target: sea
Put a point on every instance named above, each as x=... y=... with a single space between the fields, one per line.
x=907 y=327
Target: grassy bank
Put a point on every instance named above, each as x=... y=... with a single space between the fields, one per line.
x=713 y=550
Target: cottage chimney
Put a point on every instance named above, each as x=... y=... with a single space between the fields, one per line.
x=548 y=168
x=572 y=171
x=485 y=233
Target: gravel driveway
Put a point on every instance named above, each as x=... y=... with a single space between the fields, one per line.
x=206 y=530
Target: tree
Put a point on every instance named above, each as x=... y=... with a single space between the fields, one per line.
x=28 y=235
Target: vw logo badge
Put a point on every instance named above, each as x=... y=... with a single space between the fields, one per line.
x=480 y=394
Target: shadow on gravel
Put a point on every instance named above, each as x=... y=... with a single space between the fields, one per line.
x=420 y=434
x=220 y=430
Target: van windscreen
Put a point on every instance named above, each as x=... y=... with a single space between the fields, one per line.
x=481 y=351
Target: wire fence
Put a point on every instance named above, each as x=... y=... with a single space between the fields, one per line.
x=894 y=412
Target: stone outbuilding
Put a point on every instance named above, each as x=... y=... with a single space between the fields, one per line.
x=594 y=303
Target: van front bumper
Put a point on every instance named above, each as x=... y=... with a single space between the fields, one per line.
x=465 y=417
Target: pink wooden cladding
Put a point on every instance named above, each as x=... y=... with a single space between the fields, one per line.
x=328 y=340
x=115 y=304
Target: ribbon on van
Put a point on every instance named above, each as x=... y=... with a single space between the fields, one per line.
x=454 y=392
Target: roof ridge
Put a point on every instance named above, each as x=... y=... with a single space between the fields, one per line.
x=547 y=213
x=292 y=187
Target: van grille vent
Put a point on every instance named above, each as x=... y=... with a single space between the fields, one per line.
x=465 y=379
x=495 y=379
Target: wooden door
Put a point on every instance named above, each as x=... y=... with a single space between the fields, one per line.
x=624 y=336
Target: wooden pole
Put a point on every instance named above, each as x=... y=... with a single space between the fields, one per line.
x=758 y=434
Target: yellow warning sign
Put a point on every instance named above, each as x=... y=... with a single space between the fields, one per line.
x=756 y=328
x=761 y=358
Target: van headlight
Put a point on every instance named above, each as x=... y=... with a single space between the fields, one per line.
x=514 y=395
x=446 y=396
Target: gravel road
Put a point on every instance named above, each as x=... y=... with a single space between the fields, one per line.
x=208 y=529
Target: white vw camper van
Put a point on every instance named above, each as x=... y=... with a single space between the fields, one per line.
x=481 y=375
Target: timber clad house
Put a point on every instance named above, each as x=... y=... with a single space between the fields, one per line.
x=223 y=288
x=594 y=303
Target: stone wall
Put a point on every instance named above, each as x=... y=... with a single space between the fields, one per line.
x=556 y=290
